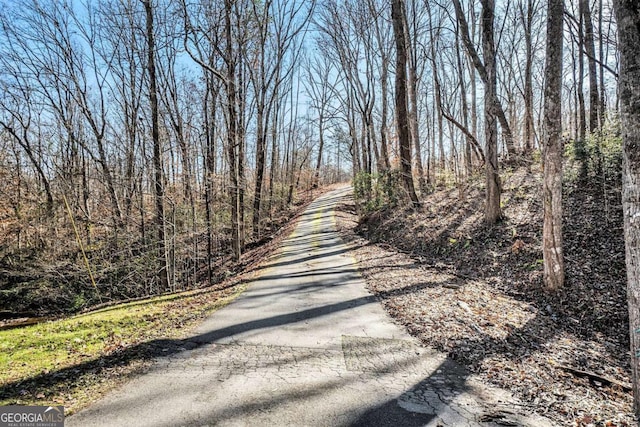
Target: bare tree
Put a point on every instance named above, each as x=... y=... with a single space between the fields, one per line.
x=318 y=86
x=233 y=133
x=225 y=46
x=594 y=94
x=279 y=23
x=552 y=189
x=628 y=17
x=163 y=271
x=383 y=41
x=493 y=210
x=22 y=137
x=348 y=39
x=43 y=38
x=527 y=17
x=437 y=89
x=398 y=16
x=411 y=36
x=122 y=50
x=482 y=67
x=17 y=118
x=576 y=30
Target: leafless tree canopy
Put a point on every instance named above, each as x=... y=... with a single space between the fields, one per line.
x=160 y=139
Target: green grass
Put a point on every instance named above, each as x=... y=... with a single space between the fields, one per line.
x=29 y=354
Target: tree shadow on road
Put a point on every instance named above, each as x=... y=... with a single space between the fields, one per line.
x=447 y=376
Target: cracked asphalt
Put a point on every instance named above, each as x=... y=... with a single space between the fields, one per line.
x=306 y=345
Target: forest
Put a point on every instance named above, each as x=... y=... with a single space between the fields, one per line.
x=148 y=145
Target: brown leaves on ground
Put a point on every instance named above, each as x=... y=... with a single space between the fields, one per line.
x=476 y=293
x=90 y=376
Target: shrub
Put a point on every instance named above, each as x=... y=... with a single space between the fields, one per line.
x=376 y=191
x=599 y=155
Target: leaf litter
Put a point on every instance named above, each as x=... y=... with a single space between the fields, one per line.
x=476 y=293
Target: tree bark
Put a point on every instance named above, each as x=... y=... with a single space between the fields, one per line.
x=209 y=160
x=594 y=94
x=493 y=211
x=472 y=79
x=468 y=164
x=437 y=92
x=628 y=17
x=384 y=73
x=163 y=281
x=552 y=156
x=603 y=91
x=438 y=98
x=261 y=148
x=581 y=125
x=398 y=16
x=526 y=17
x=484 y=72
x=232 y=132
x=412 y=86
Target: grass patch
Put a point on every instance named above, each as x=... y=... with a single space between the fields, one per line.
x=73 y=361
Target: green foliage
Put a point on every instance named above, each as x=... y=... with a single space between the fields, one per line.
x=536 y=156
x=599 y=155
x=377 y=191
x=446 y=179
x=361 y=186
x=535 y=264
x=611 y=149
x=79 y=302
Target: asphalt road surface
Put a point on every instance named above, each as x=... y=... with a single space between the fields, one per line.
x=305 y=345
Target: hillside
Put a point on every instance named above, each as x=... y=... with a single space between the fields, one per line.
x=51 y=281
x=476 y=292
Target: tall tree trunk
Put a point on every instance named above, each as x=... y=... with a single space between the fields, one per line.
x=465 y=107
x=384 y=76
x=581 y=153
x=483 y=70
x=594 y=94
x=438 y=100
x=573 y=109
x=261 y=148
x=398 y=16
x=274 y=146
x=232 y=132
x=603 y=93
x=412 y=86
x=384 y=150
x=163 y=278
x=552 y=188
x=437 y=92
x=432 y=151
x=316 y=175
x=241 y=142
x=472 y=78
x=493 y=211
x=628 y=17
x=209 y=155
x=382 y=47
x=527 y=21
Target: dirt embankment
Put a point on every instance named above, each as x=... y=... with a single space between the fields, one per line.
x=476 y=292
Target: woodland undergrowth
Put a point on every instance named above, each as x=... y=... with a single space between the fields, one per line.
x=476 y=291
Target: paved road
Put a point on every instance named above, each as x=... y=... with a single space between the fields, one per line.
x=306 y=344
